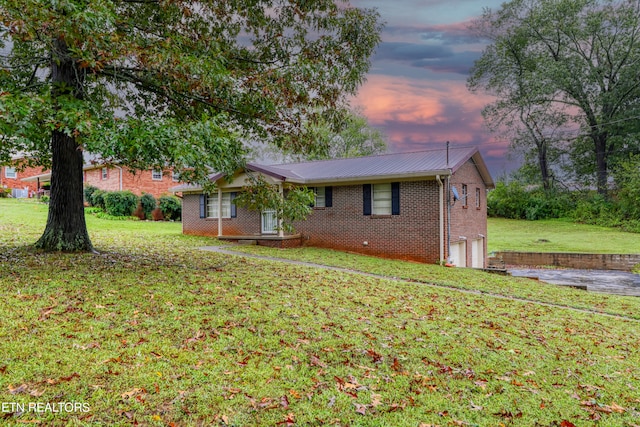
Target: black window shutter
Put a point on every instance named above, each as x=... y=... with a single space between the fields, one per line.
x=366 y=199
x=203 y=206
x=234 y=212
x=395 y=198
x=328 y=197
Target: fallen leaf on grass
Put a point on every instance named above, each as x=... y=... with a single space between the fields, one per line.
x=361 y=409
x=132 y=393
x=566 y=423
x=17 y=390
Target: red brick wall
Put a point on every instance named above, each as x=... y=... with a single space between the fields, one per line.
x=17 y=182
x=468 y=221
x=246 y=223
x=412 y=235
x=139 y=182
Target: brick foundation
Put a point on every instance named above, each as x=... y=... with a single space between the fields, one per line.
x=572 y=260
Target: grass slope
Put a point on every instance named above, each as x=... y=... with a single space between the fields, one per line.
x=558 y=235
x=154 y=332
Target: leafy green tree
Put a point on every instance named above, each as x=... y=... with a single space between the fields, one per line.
x=153 y=83
x=351 y=137
x=293 y=205
x=574 y=60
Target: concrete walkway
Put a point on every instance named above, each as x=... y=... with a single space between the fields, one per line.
x=606 y=281
x=225 y=250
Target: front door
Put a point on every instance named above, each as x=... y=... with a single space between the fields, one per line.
x=269 y=222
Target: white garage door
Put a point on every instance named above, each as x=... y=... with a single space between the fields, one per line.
x=459 y=254
x=477 y=253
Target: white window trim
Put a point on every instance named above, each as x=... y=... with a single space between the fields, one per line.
x=381 y=204
x=465 y=195
x=320 y=197
x=155 y=173
x=10 y=172
x=174 y=176
x=104 y=173
x=212 y=206
x=478 y=195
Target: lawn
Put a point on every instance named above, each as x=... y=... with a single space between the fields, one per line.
x=558 y=235
x=154 y=332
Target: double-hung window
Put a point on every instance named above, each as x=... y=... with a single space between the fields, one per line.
x=382 y=199
x=212 y=206
x=320 y=200
x=477 y=198
x=156 y=175
x=464 y=196
x=10 y=172
x=105 y=173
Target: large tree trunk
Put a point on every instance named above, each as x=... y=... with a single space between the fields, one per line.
x=601 y=164
x=544 y=165
x=66 y=229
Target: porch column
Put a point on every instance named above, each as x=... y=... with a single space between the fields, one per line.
x=219 y=211
x=280 y=230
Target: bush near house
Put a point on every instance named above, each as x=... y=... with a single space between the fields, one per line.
x=97 y=199
x=88 y=194
x=171 y=207
x=148 y=204
x=120 y=203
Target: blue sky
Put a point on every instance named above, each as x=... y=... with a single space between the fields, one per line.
x=416 y=90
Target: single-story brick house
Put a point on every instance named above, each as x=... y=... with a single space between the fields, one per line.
x=427 y=206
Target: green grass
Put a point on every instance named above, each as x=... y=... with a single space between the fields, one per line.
x=154 y=332
x=558 y=235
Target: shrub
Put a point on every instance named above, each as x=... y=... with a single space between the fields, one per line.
x=44 y=199
x=148 y=204
x=514 y=201
x=88 y=193
x=4 y=193
x=97 y=199
x=171 y=207
x=120 y=203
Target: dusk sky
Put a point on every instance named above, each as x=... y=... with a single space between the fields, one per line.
x=416 y=90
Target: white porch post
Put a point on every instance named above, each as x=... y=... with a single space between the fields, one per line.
x=219 y=212
x=280 y=230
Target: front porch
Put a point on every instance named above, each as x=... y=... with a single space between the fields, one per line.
x=272 y=241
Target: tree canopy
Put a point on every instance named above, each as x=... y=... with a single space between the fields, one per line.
x=351 y=137
x=564 y=72
x=158 y=83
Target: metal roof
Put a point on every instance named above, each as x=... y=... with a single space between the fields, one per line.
x=418 y=164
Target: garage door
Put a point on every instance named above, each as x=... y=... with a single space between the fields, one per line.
x=459 y=254
x=477 y=253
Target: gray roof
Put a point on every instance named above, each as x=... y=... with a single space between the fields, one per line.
x=419 y=164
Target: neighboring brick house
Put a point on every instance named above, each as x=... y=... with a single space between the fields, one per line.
x=13 y=177
x=108 y=178
x=427 y=206
x=114 y=178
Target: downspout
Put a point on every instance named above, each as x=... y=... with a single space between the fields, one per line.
x=441 y=203
x=449 y=218
x=120 y=184
x=219 y=212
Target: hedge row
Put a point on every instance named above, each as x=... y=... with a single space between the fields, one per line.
x=125 y=203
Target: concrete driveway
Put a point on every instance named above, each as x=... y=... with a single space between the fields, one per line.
x=607 y=281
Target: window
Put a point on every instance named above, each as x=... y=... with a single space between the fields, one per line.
x=175 y=177
x=477 y=198
x=212 y=206
x=105 y=173
x=382 y=199
x=10 y=172
x=320 y=197
x=156 y=175
x=464 y=196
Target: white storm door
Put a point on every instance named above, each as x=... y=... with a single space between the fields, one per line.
x=269 y=222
